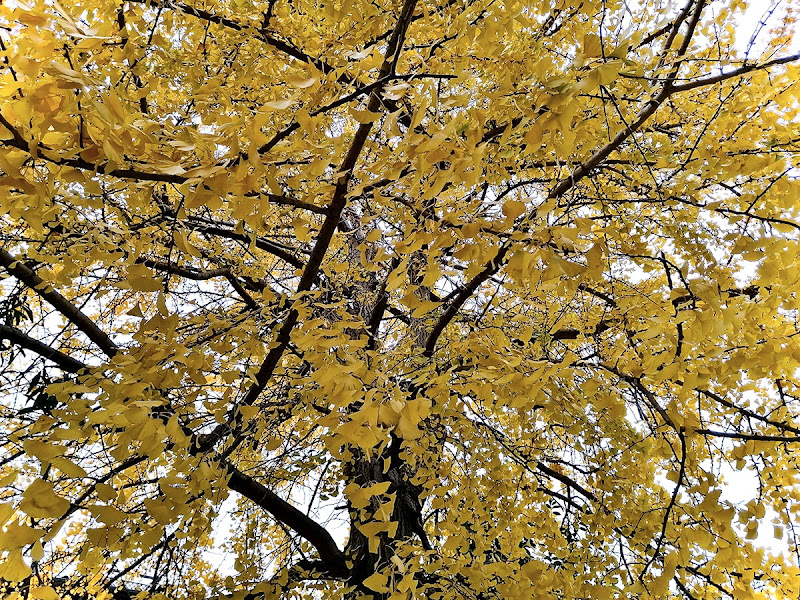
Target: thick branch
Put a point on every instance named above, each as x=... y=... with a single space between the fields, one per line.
x=61 y=304
x=598 y=294
x=64 y=362
x=566 y=481
x=690 y=85
x=333 y=558
x=457 y=302
x=381 y=304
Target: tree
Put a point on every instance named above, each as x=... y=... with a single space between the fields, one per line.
x=466 y=299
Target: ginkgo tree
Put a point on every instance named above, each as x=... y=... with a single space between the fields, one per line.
x=481 y=299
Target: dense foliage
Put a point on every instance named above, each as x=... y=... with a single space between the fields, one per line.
x=480 y=299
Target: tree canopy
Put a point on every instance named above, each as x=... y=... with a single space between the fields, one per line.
x=466 y=299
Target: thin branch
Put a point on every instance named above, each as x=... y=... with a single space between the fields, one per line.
x=260 y=243
x=562 y=187
x=566 y=481
x=598 y=294
x=746 y=412
x=185 y=272
x=642 y=117
x=197 y=275
x=672 y=501
x=283 y=45
x=283 y=200
x=19 y=142
x=242 y=291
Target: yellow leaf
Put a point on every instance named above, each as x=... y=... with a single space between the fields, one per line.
x=18 y=536
x=105 y=492
x=11 y=161
x=412 y=414
x=136 y=311
x=752 y=529
x=608 y=72
x=377 y=583
x=395 y=92
x=185 y=245
x=32 y=19
x=470 y=230
x=591 y=45
x=14 y=569
x=249 y=412
x=37 y=551
x=44 y=593
x=389 y=413
x=141 y=279
x=279 y=104
x=40 y=501
x=301 y=82
x=42 y=450
x=70 y=77
x=161 y=304
x=6 y=510
x=162 y=511
x=360 y=496
x=169 y=169
x=107 y=514
x=373 y=528
x=513 y=208
x=230 y=376
x=365 y=116
x=424 y=307
x=68 y=467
